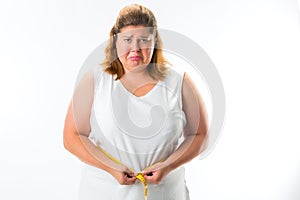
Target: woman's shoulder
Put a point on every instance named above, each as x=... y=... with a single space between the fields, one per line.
x=98 y=70
x=174 y=75
x=101 y=74
x=174 y=80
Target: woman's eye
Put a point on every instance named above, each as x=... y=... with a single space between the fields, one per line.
x=144 y=40
x=127 y=40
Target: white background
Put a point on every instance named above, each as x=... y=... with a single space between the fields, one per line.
x=253 y=43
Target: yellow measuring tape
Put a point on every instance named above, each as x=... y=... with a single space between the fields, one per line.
x=139 y=176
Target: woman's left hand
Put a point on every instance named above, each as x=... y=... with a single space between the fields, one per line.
x=155 y=174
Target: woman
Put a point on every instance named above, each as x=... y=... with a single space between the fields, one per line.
x=135 y=119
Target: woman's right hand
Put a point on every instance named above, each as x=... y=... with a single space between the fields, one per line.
x=123 y=175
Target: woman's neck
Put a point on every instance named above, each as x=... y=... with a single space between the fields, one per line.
x=137 y=74
x=138 y=78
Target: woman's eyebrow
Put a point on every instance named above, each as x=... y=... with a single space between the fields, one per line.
x=128 y=36
x=145 y=36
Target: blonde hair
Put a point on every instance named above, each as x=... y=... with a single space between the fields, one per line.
x=135 y=15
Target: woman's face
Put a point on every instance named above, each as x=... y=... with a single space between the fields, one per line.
x=135 y=45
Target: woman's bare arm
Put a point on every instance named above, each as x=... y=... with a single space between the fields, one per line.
x=77 y=129
x=195 y=131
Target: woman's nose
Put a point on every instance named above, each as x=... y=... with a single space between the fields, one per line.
x=134 y=46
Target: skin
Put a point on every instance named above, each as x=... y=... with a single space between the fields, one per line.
x=137 y=81
x=135 y=47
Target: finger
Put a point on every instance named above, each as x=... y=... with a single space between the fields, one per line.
x=132 y=178
x=130 y=174
x=130 y=181
x=149 y=178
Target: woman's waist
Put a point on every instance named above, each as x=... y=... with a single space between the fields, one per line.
x=135 y=160
x=177 y=175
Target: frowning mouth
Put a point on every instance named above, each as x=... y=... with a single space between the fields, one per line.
x=135 y=58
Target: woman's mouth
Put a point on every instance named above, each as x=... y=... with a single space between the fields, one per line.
x=135 y=58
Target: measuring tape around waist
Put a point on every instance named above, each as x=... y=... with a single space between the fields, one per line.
x=139 y=176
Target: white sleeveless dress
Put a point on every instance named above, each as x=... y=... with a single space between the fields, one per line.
x=138 y=131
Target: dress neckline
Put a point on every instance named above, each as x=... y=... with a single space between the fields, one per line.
x=142 y=96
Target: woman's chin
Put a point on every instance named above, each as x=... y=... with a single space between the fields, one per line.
x=136 y=66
